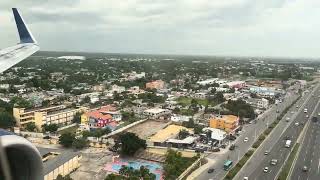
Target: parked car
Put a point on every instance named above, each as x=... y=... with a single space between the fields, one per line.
x=215 y=149
x=210 y=170
x=266 y=152
x=232 y=147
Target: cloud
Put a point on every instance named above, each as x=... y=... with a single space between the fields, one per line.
x=216 y=27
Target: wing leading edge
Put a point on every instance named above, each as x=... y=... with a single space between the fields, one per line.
x=27 y=46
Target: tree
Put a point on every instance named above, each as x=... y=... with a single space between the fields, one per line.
x=128 y=116
x=188 y=124
x=183 y=134
x=86 y=99
x=77 y=118
x=176 y=110
x=215 y=85
x=129 y=173
x=131 y=143
x=6 y=120
x=21 y=102
x=232 y=90
x=50 y=128
x=45 y=103
x=213 y=90
x=253 y=95
x=31 y=126
x=241 y=108
x=175 y=164
x=96 y=133
x=60 y=177
x=80 y=143
x=115 y=177
x=67 y=139
x=218 y=97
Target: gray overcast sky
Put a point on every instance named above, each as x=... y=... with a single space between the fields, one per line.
x=208 y=27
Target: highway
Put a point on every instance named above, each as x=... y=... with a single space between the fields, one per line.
x=252 y=131
x=276 y=141
x=308 y=154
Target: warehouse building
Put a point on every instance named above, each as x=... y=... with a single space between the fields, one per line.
x=57 y=161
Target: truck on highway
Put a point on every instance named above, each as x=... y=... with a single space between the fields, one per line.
x=288 y=143
x=305 y=110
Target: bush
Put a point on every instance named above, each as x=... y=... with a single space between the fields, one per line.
x=66 y=139
x=262 y=137
x=267 y=131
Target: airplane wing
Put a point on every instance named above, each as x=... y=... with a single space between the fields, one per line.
x=27 y=46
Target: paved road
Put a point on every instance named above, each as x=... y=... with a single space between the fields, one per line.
x=275 y=144
x=309 y=154
x=252 y=131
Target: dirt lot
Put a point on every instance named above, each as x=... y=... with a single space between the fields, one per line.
x=92 y=164
x=147 y=128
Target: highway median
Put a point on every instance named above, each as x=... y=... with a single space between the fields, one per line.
x=285 y=171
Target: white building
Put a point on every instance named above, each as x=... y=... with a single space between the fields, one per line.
x=217 y=134
x=180 y=118
x=4 y=86
x=156 y=113
x=207 y=81
x=199 y=95
x=118 y=89
x=258 y=103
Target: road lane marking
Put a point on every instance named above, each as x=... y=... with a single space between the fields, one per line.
x=318 y=166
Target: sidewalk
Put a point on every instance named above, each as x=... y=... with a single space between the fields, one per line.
x=201 y=169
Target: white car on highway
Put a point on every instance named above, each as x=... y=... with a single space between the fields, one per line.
x=246 y=139
x=265 y=169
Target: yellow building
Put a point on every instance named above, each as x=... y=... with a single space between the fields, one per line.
x=228 y=123
x=57 y=162
x=163 y=135
x=50 y=115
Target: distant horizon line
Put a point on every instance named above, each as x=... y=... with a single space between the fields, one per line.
x=189 y=55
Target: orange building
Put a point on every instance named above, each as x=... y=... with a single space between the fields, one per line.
x=228 y=123
x=157 y=84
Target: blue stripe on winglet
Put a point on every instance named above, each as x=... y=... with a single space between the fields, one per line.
x=25 y=36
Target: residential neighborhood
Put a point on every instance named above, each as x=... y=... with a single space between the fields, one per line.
x=98 y=108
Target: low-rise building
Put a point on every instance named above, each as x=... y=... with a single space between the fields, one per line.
x=227 y=123
x=236 y=84
x=118 y=89
x=49 y=115
x=200 y=95
x=258 y=103
x=180 y=118
x=156 y=113
x=157 y=84
x=169 y=132
x=56 y=161
x=106 y=116
x=217 y=135
x=208 y=81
